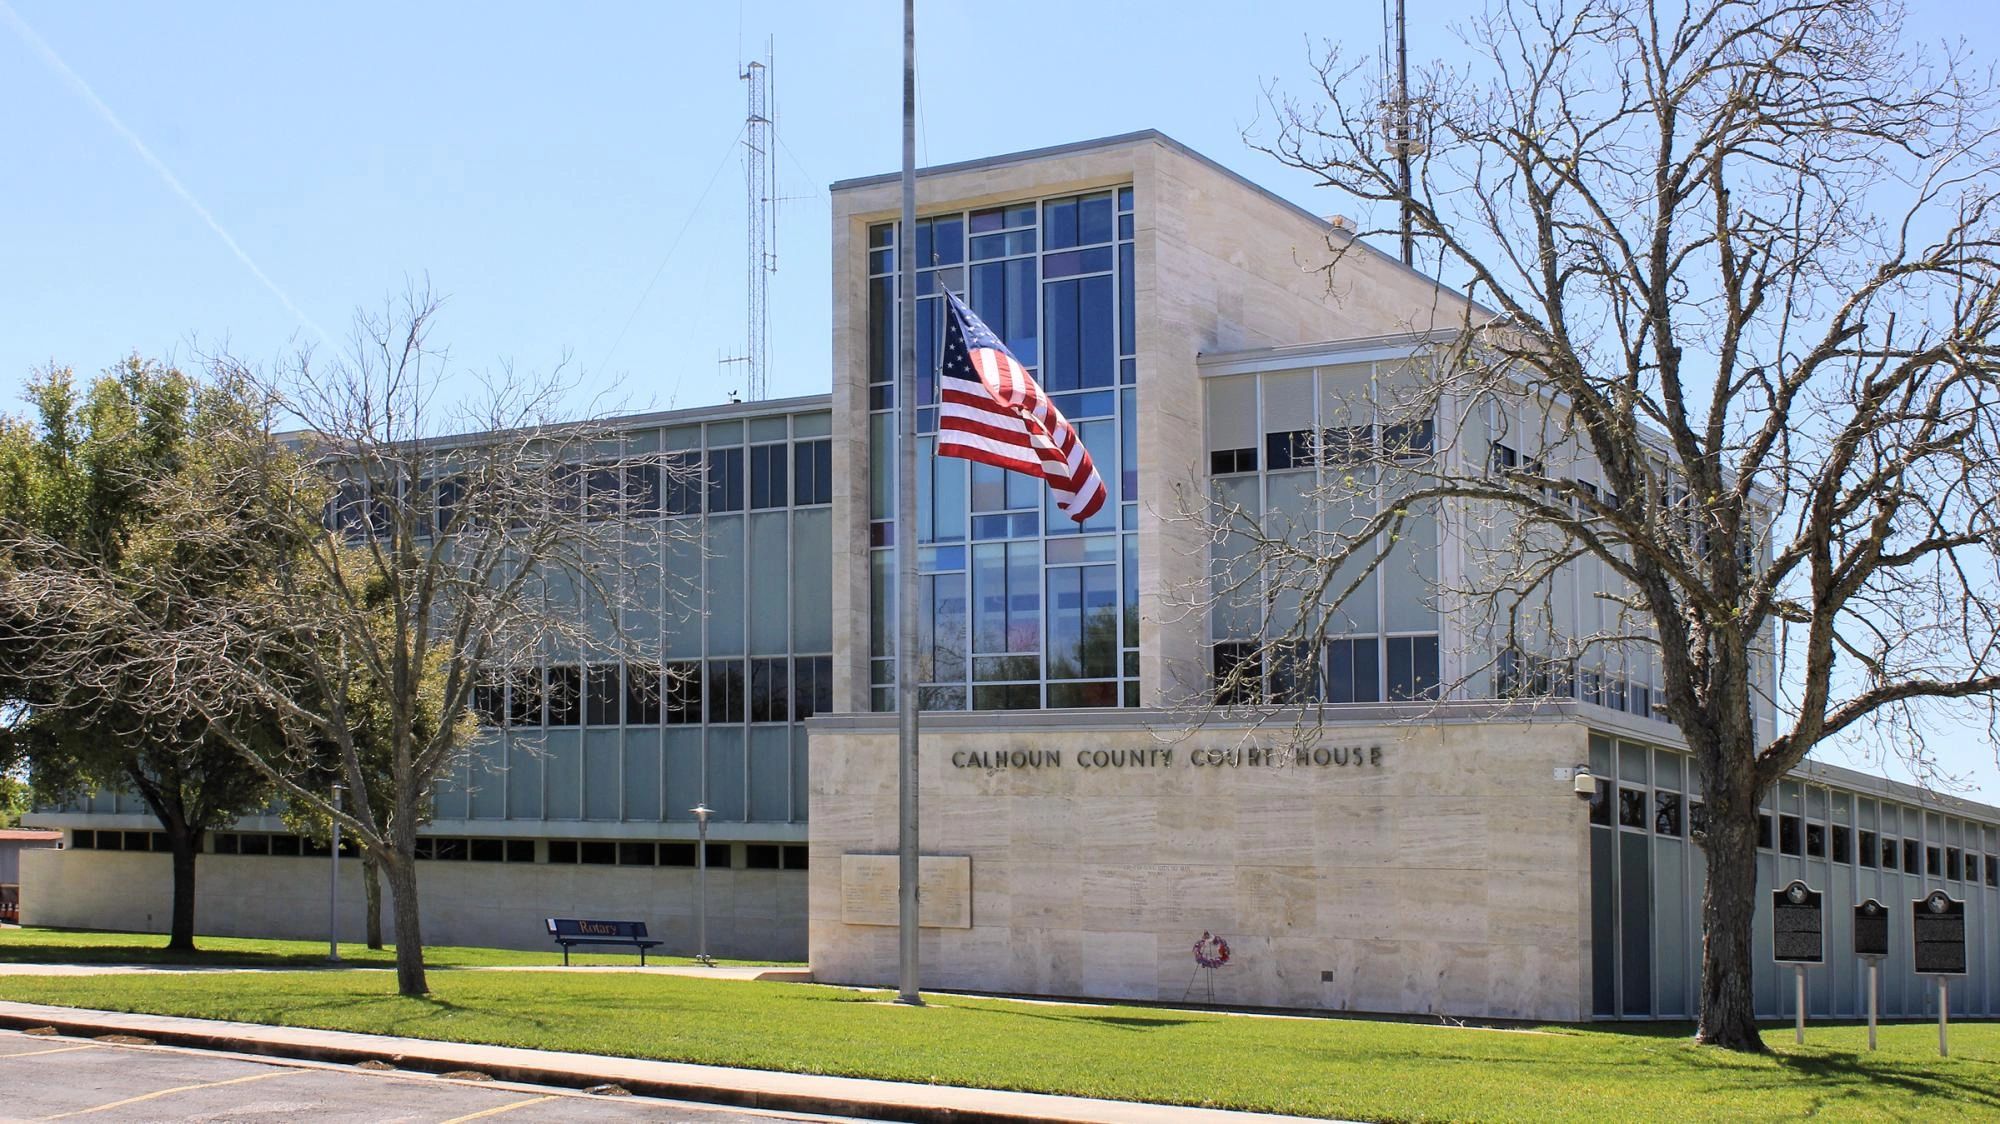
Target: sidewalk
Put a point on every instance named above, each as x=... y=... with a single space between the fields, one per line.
x=743 y=1088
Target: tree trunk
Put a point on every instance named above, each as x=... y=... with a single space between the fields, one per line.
x=1728 y=909
x=409 y=931
x=184 y=844
x=371 y=888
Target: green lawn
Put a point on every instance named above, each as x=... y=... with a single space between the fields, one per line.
x=1333 y=1067
x=82 y=946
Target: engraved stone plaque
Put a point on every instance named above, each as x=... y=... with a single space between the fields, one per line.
x=1871 y=929
x=1795 y=925
x=1937 y=934
x=868 y=890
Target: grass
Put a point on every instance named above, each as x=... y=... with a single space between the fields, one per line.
x=88 y=946
x=1352 y=1068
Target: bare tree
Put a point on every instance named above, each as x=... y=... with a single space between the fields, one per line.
x=429 y=571
x=1732 y=363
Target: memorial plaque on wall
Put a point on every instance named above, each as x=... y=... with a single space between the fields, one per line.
x=1795 y=925
x=1937 y=935
x=1871 y=929
x=944 y=890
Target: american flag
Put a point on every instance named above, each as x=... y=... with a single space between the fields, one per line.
x=993 y=412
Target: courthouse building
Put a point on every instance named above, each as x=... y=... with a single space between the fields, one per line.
x=1423 y=853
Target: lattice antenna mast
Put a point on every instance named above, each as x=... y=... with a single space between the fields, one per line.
x=1397 y=126
x=760 y=195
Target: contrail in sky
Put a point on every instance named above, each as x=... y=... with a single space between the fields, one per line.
x=173 y=182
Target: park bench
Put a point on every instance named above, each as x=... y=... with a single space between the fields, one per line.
x=569 y=931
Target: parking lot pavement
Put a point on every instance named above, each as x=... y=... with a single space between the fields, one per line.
x=56 y=1078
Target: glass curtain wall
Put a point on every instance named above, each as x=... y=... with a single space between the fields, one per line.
x=1313 y=453
x=1022 y=608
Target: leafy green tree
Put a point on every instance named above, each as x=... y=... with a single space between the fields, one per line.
x=84 y=530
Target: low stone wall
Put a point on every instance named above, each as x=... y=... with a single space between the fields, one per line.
x=752 y=914
x=1433 y=869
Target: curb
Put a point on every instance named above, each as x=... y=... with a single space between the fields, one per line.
x=82 y=1023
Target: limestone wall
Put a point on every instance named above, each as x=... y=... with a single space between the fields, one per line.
x=751 y=913
x=1441 y=869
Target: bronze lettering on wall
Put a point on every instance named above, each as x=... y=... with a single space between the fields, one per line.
x=1316 y=757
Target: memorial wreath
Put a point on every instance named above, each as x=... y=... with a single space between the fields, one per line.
x=1211 y=951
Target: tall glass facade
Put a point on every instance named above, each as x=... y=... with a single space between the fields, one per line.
x=740 y=616
x=1022 y=607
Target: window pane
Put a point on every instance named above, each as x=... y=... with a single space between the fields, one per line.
x=725 y=479
x=642 y=695
x=683 y=693
x=725 y=690
x=565 y=690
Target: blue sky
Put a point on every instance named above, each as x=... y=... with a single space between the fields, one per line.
x=542 y=164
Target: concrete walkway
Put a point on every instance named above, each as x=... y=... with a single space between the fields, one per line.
x=734 y=972
x=744 y=1088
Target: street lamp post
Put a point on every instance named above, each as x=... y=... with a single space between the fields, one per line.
x=333 y=887
x=701 y=814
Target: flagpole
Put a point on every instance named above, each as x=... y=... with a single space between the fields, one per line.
x=906 y=537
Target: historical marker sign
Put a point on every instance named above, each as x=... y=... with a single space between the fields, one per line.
x=1871 y=929
x=1937 y=935
x=1795 y=925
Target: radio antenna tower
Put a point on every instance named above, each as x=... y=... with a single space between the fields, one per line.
x=760 y=192
x=1397 y=126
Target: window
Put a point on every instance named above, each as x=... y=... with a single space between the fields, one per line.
x=1667 y=813
x=565 y=695
x=642 y=490
x=682 y=483
x=1632 y=808
x=1238 y=679
x=683 y=688
x=601 y=695
x=812 y=686
x=1503 y=458
x=1413 y=667
x=1600 y=803
x=597 y=852
x=767 y=476
x=677 y=854
x=1347 y=444
x=524 y=697
x=636 y=854
x=1409 y=440
x=725 y=480
x=1788 y=835
x=1843 y=844
x=1933 y=862
x=1815 y=841
x=796 y=856
x=1292 y=448
x=1867 y=849
x=1890 y=851
x=1954 y=864
x=1764 y=830
x=562 y=851
x=1228 y=462
x=761 y=856
x=770 y=690
x=489 y=699
x=725 y=690
x=1993 y=870
x=603 y=488
x=642 y=694
x=1913 y=861
x=1353 y=670
x=812 y=473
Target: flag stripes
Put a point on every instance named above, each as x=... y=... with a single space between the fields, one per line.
x=991 y=411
